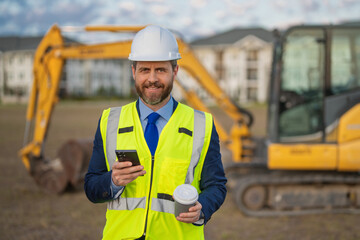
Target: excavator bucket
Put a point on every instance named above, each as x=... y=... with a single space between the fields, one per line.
x=67 y=170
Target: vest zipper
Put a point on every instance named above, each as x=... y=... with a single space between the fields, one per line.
x=151 y=179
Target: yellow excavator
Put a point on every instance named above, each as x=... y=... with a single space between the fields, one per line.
x=308 y=163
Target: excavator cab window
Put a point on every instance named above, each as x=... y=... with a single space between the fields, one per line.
x=301 y=87
x=345 y=55
x=343 y=86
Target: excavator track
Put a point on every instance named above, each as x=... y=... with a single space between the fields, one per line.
x=280 y=193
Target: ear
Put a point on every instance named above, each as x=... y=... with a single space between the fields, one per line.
x=176 y=69
x=133 y=71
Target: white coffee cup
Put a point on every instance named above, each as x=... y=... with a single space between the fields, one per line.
x=185 y=197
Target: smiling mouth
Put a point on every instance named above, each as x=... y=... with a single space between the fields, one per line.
x=153 y=88
x=155 y=85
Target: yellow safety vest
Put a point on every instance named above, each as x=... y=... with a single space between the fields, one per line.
x=146 y=204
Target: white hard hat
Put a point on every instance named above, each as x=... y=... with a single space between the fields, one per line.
x=154 y=43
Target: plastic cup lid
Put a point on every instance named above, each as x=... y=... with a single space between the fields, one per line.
x=186 y=194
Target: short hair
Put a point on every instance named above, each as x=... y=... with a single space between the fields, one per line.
x=172 y=62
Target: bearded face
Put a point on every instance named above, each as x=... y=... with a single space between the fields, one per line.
x=154 y=82
x=153 y=93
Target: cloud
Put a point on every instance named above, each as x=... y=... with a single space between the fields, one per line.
x=10 y=8
x=198 y=3
x=32 y=30
x=289 y=22
x=40 y=11
x=202 y=31
x=186 y=21
x=220 y=14
x=128 y=6
x=36 y=19
x=102 y=20
x=159 y=10
x=280 y=4
x=153 y=1
x=310 y=5
x=347 y=3
x=191 y=18
x=10 y=28
x=239 y=9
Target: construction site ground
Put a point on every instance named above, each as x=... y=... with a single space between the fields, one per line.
x=28 y=212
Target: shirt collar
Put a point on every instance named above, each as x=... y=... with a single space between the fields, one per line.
x=164 y=112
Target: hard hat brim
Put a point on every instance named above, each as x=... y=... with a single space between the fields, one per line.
x=141 y=57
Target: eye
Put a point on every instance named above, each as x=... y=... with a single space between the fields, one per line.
x=144 y=70
x=161 y=70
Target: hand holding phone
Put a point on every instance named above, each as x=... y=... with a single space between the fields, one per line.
x=122 y=175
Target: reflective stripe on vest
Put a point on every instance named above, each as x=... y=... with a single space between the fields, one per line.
x=198 y=140
x=111 y=133
x=127 y=203
x=163 y=205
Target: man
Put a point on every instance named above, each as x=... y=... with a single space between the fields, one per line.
x=175 y=144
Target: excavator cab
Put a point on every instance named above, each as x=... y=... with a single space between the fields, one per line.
x=320 y=73
x=315 y=83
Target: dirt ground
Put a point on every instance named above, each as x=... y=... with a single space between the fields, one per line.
x=29 y=213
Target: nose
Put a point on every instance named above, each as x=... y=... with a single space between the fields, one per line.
x=152 y=76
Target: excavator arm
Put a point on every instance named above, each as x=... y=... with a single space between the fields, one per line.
x=43 y=95
x=49 y=60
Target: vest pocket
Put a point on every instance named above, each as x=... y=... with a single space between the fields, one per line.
x=172 y=174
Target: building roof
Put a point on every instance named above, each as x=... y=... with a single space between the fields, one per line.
x=13 y=43
x=234 y=35
x=352 y=23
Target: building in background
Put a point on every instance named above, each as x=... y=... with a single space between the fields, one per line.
x=240 y=60
x=16 y=61
x=80 y=78
x=100 y=77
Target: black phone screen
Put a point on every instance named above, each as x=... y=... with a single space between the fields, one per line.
x=128 y=155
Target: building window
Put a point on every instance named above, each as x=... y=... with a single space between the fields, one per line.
x=21 y=76
x=252 y=55
x=252 y=74
x=252 y=94
x=10 y=60
x=10 y=76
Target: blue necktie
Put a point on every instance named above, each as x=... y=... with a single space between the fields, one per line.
x=151 y=132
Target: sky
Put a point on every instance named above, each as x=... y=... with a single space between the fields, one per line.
x=194 y=19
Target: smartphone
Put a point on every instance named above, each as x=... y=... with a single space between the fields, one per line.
x=128 y=155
